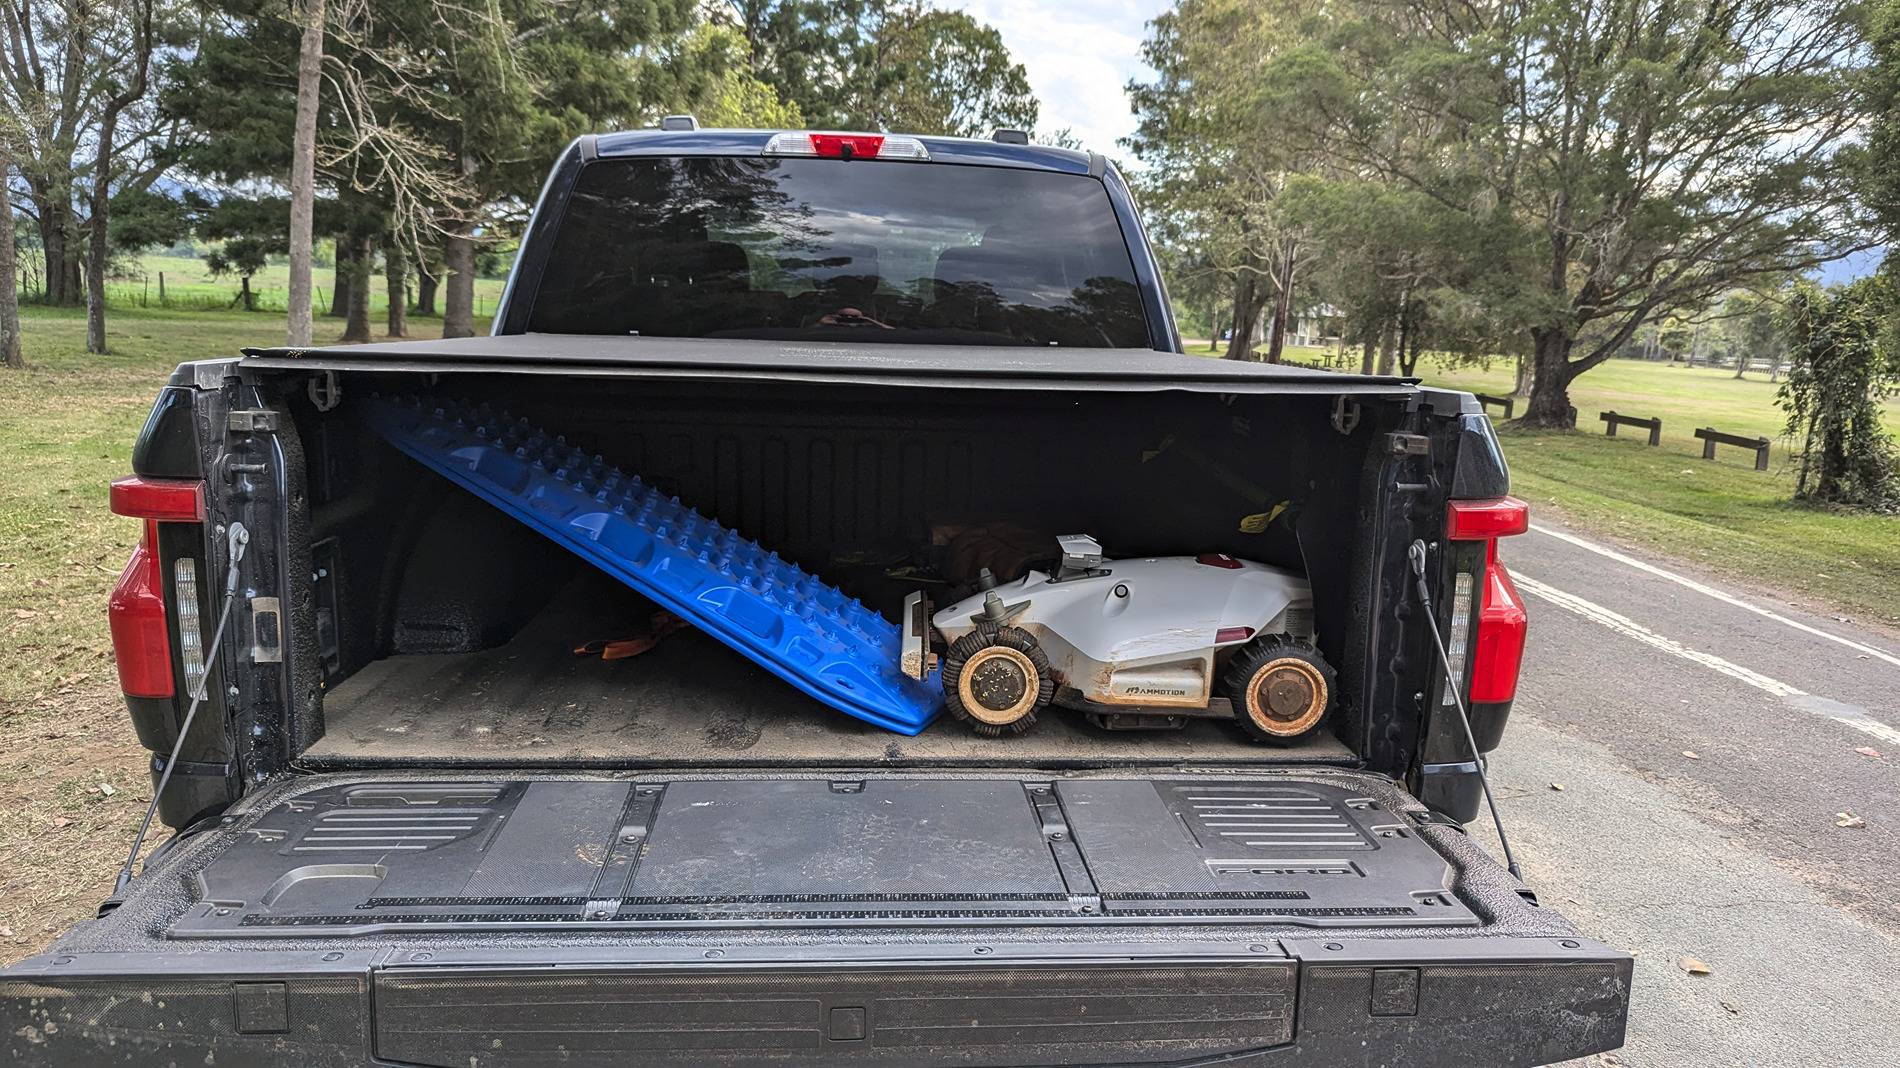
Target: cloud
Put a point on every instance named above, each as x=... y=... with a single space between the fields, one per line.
x=1079 y=55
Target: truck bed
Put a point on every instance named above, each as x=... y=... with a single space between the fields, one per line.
x=690 y=701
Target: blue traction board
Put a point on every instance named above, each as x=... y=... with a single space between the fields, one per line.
x=800 y=629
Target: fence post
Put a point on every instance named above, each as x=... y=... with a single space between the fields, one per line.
x=1655 y=433
x=161 y=289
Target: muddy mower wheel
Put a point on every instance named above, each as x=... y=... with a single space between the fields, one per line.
x=1281 y=689
x=997 y=680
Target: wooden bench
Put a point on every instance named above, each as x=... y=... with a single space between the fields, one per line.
x=1488 y=400
x=1613 y=420
x=1712 y=437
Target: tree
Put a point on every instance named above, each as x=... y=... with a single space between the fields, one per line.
x=249 y=231
x=66 y=67
x=1207 y=132
x=1612 y=161
x=1751 y=328
x=1880 y=104
x=10 y=354
x=718 y=87
x=953 y=75
x=486 y=97
x=885 y=65
x=303 y=171
x=105 y=149
x=1839 y=373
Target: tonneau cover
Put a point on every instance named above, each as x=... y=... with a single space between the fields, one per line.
x=945 y=366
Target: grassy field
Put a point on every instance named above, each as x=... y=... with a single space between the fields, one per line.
x=190 y=285
x=72 y=779
x=1724 y=513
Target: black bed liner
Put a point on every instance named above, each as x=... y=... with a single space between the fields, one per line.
x=947 y=366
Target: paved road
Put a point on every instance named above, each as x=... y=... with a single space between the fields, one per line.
x=1733 y=856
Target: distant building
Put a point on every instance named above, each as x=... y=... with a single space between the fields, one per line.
x=1316 y=327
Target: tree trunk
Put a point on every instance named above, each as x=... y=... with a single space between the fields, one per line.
x=1246 y=313
x=396 y=273
x=356 y=325
x=102 y=180
x=56 y=236
x=1282 y=301
x=341 y=277
x=1365 y=356
x=245 y=295
x=303 y=171
x=96 y=243
x=96 y=260
x=1526 y=374
x=458 y=263
x=1405 y=332
x=1550 y=385
x=1807 y=454
x=10 y=355
x=1409 y=338
x=425 y=287
x=1388 y=347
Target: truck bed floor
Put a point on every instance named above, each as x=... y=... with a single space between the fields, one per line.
x=690 y=700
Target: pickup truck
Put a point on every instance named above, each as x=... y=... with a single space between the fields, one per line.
x=431 y=809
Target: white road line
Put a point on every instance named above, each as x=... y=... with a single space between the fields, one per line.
x=1844 y=714
x=1720 y=595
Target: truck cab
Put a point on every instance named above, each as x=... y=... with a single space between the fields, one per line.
x=447 y=787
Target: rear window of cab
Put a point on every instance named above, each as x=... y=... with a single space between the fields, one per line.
x=828 y=249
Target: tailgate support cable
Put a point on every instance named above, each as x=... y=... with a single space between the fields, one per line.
x=1417 y=555
x=238 y=538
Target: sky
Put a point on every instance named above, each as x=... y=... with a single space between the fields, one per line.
x=1079 y=54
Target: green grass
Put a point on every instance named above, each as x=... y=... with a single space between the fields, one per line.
x=189 y=284
x=1311 y=354
x=1724 y=513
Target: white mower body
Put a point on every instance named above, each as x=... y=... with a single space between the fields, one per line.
x=1143 y=632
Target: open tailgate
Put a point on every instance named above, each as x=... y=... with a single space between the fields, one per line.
x=902 y=919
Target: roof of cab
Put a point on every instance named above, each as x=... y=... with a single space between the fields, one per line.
x=722 y=142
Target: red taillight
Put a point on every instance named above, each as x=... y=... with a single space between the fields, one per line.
x=1496 y=636
x=167 y=500
x=1498 y=517
x=1499 y=649
x=140 y=639
x=846 y=146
